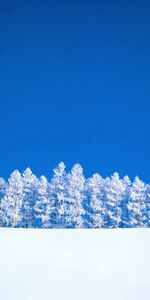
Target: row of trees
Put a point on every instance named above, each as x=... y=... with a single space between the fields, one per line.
x=71 y=201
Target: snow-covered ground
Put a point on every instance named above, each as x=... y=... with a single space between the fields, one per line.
x=74 y=264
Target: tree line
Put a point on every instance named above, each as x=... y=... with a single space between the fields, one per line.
x=69 y=200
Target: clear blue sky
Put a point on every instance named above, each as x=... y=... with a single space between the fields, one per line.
x=75 y=85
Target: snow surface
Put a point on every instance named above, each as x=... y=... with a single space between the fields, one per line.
x=74 y=264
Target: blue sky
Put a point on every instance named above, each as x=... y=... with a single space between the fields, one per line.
x=74 y=86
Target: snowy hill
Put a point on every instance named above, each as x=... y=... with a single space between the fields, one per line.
x=74 y=264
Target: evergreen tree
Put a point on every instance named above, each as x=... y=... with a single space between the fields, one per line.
x=75 y=195
x=113 y=191
x=136 y=203
x=41 y=203
x=55 y=207
x=3 y=186
x=124 y=203
x=30 y=195
x=93 y=202
x=146 y=213
x=12 y=201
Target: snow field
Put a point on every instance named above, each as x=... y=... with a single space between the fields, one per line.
x=74 y=264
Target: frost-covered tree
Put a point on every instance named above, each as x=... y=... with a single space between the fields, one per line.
x=124 y=202
x=30 y=194
x=55 y=207
x=93 y=202
x=3 y=186
x=146 y=212
x=12 y=201
x=75 y=195
x=42 y=204
x=113 y=195
x=136 y=204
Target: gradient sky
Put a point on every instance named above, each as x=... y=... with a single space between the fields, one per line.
x=75 y=86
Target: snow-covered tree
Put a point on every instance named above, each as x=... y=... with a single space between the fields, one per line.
x=12 y=201
x=124 y=203
x=30 y=195
x=136 y=204
x=3 y=186
x=75 y=195
x=146 y=212
x=113 y=195
x=56 y=192
x=93 y=202
x=42 y=204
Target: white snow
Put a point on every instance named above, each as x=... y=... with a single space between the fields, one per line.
x=74 y=264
